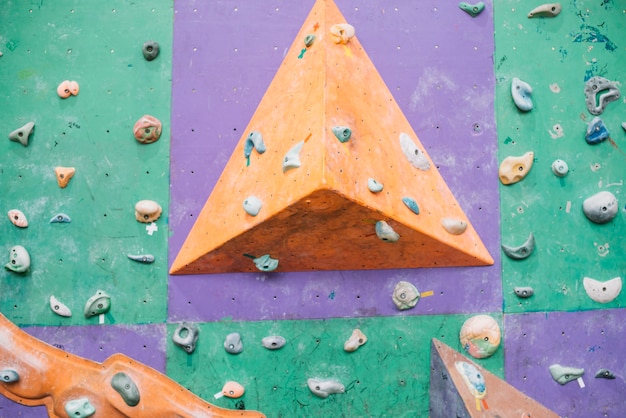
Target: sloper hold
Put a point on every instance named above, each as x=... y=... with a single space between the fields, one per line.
x=124 y=385
x=564 y=374
x=305 y=208
x=21 y=134
x=325 y=387
x=451 y=396
x=603 y=292
x=513 y=168
x=601 y=207
x=521 y=91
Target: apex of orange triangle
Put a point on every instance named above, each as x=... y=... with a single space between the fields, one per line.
x=295 y=190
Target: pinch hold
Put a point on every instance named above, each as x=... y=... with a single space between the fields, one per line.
x=292 y=158
x=147 y=129
x=356 y=340
x=601 y=207
x=545 y=10
x=405 y=295
x=186 y=337
x=150 y=50
x=342 y=133
x=411 y=204
x=325 y=387
x=514 y=169
x=341 y=33
x=21 y=134
x=596 y=131
x=599 y=92
x=98 y=304
x=523 y=292
x=521 y=91
x=273 y=342
x=472 y=9
x=18 y=218
x=147 y=211
x=454 y=226
x=19 y=259
x=385 y=232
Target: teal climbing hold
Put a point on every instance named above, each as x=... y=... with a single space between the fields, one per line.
x=472 y=9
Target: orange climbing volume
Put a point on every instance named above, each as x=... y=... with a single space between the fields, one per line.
x=295 y=190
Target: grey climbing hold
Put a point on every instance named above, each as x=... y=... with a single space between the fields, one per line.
x=472 y=9
x=79 y=408
x=521 y=91
x=563 y=375
x=59 y=308
x=186 y=337
x=19 y=259
x=21 y=134
x=411 y=204
x=385 y=232
x=454 y=226
x=141 y=258
x=596 y=131
x=374 y=186
x=523 y=292
x=273 y=342
x=405 y=295
x=150 y=50
x=343 y=133
x=603 y=292
x=292 y=158
x=127 y=389
x=308 y=40
x=99 y=303
x=356 y=340
x=522 y=251
x=604 y=374
x=18 y=218
x=545 y=10
x=624 y=126
x=560 y=168
x=252 y=205
x=254 y=141
x=9 y=376
x=266 y=263
x=415 y=156
x=601 y=207
x=599 y=92
x=325 y=387
x=233 y=343
x=60 y=218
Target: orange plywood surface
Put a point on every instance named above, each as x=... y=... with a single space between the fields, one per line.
x=321 y=215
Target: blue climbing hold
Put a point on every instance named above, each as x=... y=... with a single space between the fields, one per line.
x=521 y=92
x=411 y=204
x=596 y=131
x=254 y=140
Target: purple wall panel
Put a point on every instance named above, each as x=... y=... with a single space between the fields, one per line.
x=590 y=339
x=437 y=62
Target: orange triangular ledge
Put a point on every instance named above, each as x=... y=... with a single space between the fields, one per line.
x=317 y=211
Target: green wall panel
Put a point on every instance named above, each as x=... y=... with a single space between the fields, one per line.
x=556 y=56
x=388 y=376
x=99 y=45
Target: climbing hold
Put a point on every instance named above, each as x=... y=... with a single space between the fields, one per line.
x=9 y=376
x=60 y=218
x=560 y=168
x=59 y=308
x=521 y=91
x=186 y=336
x=21 y=134
x=325 y=387
x=266 y=263
x=19 y=259
x=411 y=204
x=524 y=292
x=343 y=133
x=472 y=9
x=142 y=258
x=150 y=50
x=603 y=292
x=341 y=33
x=273 y=342
x=233 y=343
x=231 y=390
x=605 y=374
x=292 y=158
x=253 y=141
x=563 y=375
x=356 y=340
x=147 y=129
x=18 y=218
x=522 y=251
x=79 y=408
x=596 y=131
x=624 y=126
x=147 y=211
x=416 y=157
x=480 y=336
x=127 y=389
x=252 y=205
x=405 y=295
x=599 y=92
x=63 y=90
x=98 y=304
x=514 y=169
x=374 y=186
x=601 y=207
x=545 y=10
x=64 y=175
x=473 y=378
x=308 y=40
x=454 y=226
x=385 y=232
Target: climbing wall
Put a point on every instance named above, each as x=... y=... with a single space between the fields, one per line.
x=451 y=78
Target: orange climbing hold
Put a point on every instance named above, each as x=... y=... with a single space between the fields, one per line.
x=64 y=174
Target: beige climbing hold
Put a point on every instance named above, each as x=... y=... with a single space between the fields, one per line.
x=64 y=174
x=545 y=10
x=356 y=340
x=341 y=33
x=454 y=226
x=68 y=88
x=514 y=169
x=147 y=211
x=18 y=218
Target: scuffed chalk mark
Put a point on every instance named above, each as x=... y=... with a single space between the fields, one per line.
x=431 y=80
x=591 y=34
